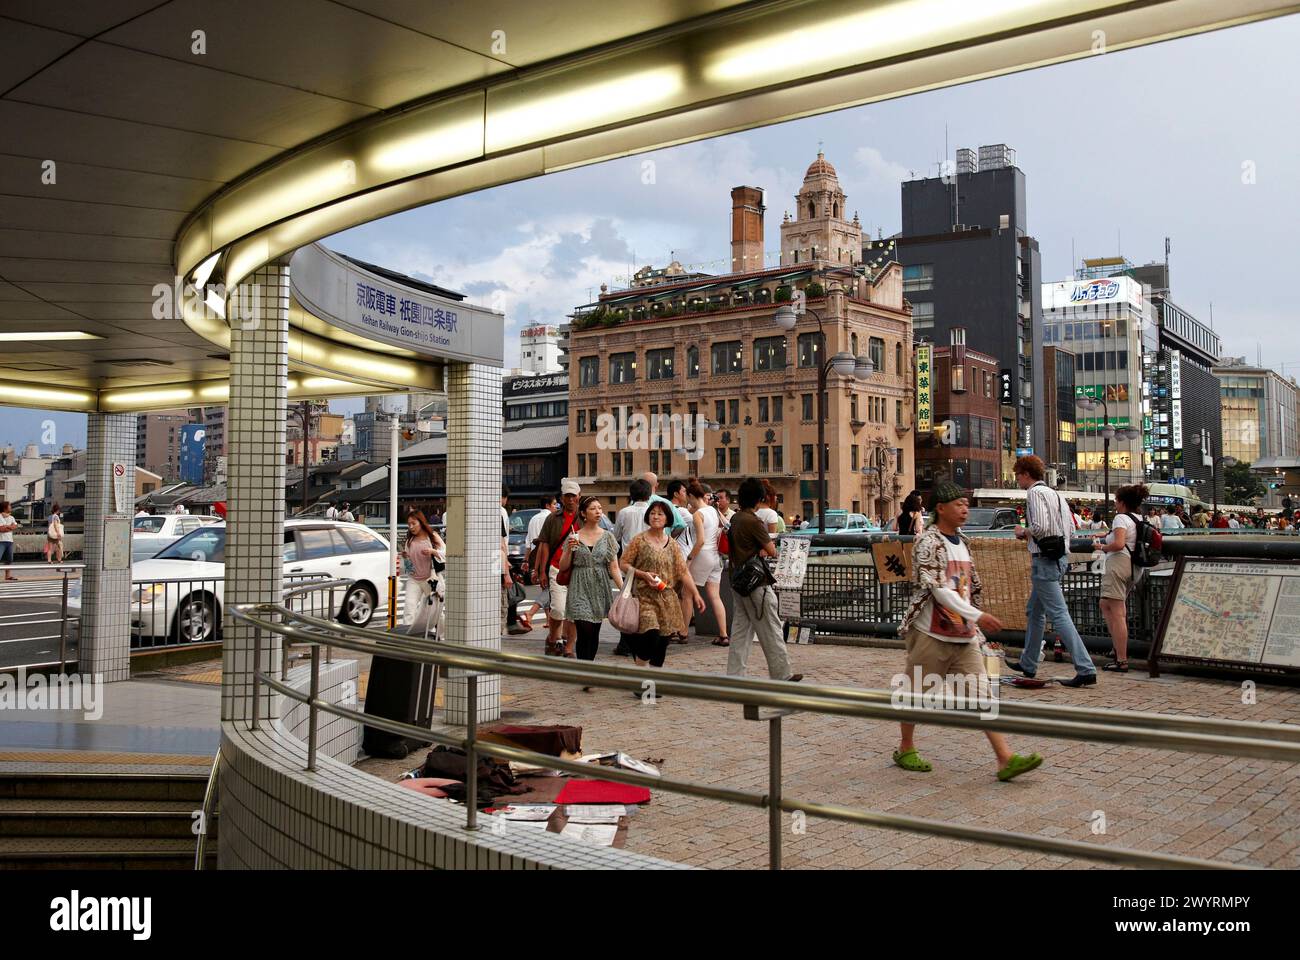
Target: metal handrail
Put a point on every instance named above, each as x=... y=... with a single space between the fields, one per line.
x=209 y=793
x=1271 y=741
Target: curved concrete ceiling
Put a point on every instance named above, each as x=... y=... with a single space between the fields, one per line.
x=144 y=137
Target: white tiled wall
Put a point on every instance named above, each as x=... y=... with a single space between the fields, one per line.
x=255 y=443
x=474 y=527
x=337 y=737
x=106 y=594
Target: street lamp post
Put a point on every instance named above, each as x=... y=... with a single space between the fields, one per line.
x=1108 y=432
x=843 y=363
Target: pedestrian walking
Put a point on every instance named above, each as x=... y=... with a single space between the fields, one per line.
x=942 y=629
x=54 y=536
x=755 y=611
x=424 y=560
x=911 y=518
x=655 y=560
x=8 y=524
x=705 y=561
x=1117 y=581
x=631 y=520
x=1048 y=537
x=591 y=553
x=1170 y=520
x=560 y=634
x=725 y=508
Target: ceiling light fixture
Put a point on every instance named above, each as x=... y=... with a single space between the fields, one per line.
x=37 y=336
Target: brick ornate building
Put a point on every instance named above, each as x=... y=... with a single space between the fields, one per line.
x=963 y=445
x=709 y=347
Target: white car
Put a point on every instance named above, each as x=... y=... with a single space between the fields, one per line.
x=150 y=534
x=177 y=595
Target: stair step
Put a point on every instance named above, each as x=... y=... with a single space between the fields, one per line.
x=85 y=853
x=103 y=786
x=26 y=817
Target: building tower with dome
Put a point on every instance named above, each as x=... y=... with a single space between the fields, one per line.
x=819 y=230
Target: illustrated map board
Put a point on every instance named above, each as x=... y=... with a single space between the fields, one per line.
x=1245 y=613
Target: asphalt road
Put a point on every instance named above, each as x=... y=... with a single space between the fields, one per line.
x=29 y=628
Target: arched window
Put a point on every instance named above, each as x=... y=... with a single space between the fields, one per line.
x=853 y=344
x=796 y=256
x=898 y=358
x=812 y=210
x=837 y=211
x=813 y=256
x=692 y=361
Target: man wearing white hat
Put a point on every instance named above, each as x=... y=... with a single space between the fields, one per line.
x=550 y=545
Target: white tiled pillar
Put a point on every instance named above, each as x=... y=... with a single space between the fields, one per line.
x=473 y=609
x=106 y=594
x=255 y=441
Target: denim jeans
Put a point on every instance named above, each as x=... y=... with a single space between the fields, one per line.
x=1046 y=600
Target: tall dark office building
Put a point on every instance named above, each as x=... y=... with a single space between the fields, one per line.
x=968 y=261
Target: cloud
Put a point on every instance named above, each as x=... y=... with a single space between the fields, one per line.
x=880 y=171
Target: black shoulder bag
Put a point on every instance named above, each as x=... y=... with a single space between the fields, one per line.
x=1053 y=547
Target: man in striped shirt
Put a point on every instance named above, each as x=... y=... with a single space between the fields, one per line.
x=1048 y=515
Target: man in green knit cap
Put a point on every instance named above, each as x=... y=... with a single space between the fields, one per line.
x=943 y=624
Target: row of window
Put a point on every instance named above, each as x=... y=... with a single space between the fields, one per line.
x=1060 y=332
x=538 y=411
x=770 y=409
x=727 y=358
x=771 y=459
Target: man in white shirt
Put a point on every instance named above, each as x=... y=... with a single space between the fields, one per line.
x=725 y=509
x=1233 y=522
x=331 y=512
x=1048 y=515
x=549 y=506
x=631 y=519
x=8 y=524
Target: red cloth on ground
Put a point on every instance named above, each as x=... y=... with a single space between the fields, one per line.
x=602 y=791
x=429 y=786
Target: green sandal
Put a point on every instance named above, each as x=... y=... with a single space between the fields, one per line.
x=1018 y=765
x=911 y=760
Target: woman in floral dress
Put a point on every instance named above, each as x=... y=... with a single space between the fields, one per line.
x=655 y=558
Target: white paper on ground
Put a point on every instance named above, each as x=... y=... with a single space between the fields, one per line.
x=595 y=812
x=597 y=834
x=539 y=811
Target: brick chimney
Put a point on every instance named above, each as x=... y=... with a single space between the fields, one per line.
x=746 y=229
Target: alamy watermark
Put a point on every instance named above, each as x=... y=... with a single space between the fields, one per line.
x=74 y=691
x=936 y=691
x=660 y=431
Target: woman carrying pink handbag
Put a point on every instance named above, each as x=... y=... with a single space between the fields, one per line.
x=658 y=568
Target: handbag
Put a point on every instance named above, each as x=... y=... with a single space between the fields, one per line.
x=724 y=543
x=625 y=611
x=751 y=575
x=562 y=577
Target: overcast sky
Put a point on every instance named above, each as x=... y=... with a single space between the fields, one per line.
x=1118 y=150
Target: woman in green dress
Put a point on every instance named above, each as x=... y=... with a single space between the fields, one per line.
x=592 y=554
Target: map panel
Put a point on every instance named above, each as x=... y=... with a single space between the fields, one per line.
x=1238 y=611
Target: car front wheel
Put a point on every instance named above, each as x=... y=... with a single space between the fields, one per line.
x=196 y=620
x=358 y=607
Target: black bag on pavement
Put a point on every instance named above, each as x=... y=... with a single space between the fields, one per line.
x=402 y=691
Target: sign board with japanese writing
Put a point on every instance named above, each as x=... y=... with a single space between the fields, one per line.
x=924 y=411
x=1006 y=396
x=117 y=543
x=346 y=296
x=792 y=563
x=893 y=561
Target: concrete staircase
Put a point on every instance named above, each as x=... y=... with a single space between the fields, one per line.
x=101 y=820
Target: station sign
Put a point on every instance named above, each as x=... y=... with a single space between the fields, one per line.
x=341 y=294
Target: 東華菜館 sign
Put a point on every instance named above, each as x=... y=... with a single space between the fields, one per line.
x=378 y=308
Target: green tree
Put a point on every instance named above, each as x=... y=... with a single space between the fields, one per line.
x=1241 y=486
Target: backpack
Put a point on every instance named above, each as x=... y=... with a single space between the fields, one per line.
x=1147 y=544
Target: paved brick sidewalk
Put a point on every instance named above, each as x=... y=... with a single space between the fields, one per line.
x=1238 y=810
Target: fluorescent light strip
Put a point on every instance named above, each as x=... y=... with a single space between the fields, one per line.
x=8 y=392
x=36 y=336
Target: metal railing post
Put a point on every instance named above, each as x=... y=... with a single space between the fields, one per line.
x=257 y=686
x=312 y=710
x=329 y=651
x=63 y=628
x=471 y=755
x=774 y=793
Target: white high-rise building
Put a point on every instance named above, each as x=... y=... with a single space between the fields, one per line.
x=539 y=350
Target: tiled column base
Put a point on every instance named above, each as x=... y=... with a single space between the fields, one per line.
x=255 y=428
x=474 y=528
x=106 y=594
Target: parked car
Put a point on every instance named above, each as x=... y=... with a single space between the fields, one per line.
x=840 y=522
x=178 y=594
x=991 y=518
x=519 y=521
x=150 y=534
